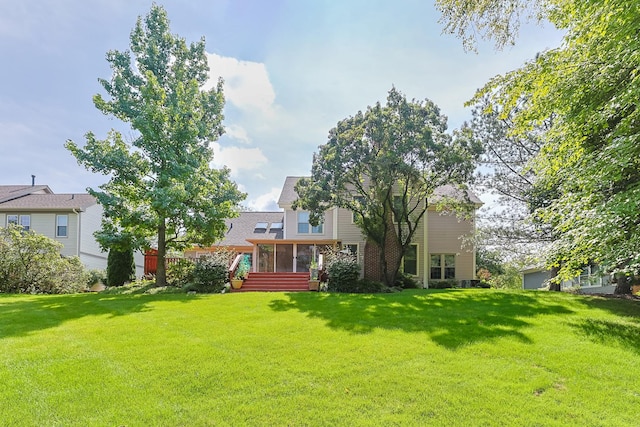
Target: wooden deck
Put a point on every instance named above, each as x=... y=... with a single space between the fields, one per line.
x=275 y=282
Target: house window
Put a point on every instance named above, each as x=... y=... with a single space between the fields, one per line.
x=62 y=222
x=12 y=219
x=352 y=248
x=23 y=220
x=304 y=227
x=443 y=266
x=410 y=260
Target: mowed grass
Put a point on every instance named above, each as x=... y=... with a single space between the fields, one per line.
x=450 y=357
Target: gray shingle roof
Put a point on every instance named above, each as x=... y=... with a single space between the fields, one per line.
x=288 y=194
x=244 y=227
x=9 y=192
x=41 y=198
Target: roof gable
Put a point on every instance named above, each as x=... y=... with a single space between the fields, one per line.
x=10 y=192
x=288 y=194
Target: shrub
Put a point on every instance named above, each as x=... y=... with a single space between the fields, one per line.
x=180 y=273
x=343 y=270
x=31 y=263
x=70 y=277
x=405 y=281
x=210 y=274
x=510 y=279
x=443 y=284
x=95 y=277
x=120 y=266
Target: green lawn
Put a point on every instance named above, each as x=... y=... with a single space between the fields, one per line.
x=450 y=357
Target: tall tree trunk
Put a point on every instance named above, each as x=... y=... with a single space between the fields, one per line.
x=392 y=253
x=161 y=271
x=623 y=284
x=555 y=284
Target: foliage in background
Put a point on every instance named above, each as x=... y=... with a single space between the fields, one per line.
x=496 y=271
x=161 y=185
x=383 y=165
x=31 y=263
x=590 y=157
x=510 y=278
x=490 y=260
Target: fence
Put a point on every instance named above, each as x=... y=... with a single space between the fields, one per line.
x=151 y=261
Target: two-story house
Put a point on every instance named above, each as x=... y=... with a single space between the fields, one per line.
x=286 y=242
x=70 y=219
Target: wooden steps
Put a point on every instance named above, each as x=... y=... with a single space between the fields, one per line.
x=275 y=282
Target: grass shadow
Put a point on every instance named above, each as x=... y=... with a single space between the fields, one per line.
x=452 y=318
x=624 y=331
x=23 y=314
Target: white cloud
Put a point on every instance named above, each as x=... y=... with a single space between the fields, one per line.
x=266 y=202
x=238 y=159
x=246 y=84
x=237 y=133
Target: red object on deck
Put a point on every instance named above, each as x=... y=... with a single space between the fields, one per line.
x=150 y=261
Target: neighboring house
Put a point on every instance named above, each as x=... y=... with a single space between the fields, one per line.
x=591 y=280
x=70 y=219
x=287 y=242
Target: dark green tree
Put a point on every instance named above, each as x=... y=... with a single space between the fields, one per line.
x=384 y=164
x=162 y=189
x=120 y=266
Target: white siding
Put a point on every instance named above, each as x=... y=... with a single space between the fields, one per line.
x=138 y=259
x=350 y=234
x=291 y=226
x=446 y=234
x=45 y=223
x=90 y=252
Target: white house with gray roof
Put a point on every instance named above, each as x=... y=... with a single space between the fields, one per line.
x=70 y=219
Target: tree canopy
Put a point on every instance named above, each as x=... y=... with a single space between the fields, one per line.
x=507 y=173
x=383 y=165
x=161 y=184
x=591 y=153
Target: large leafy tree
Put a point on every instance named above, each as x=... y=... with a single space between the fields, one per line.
x=161 y=185
x=384 y=164
x=591 y=154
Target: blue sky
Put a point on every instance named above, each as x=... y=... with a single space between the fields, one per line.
x=293 y=69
